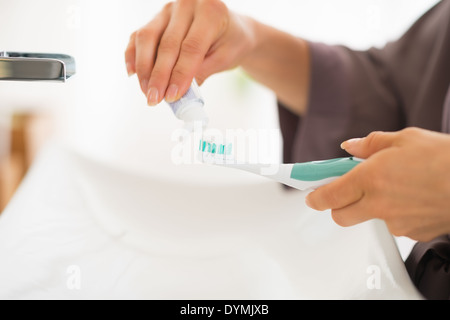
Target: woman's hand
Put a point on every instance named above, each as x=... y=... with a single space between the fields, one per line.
x=405 y=181
x=197 y=38
x=187 y=39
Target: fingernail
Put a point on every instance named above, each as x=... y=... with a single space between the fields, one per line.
x=349 y=143
x=152 y=96
x=172 y=93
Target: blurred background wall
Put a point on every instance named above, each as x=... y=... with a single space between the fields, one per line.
x=102 y=113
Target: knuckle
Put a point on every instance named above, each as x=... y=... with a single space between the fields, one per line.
x=169 y=43
x=179 y=72
x=409 y=132
x=191 y=46
x=373 y=138
x=218 y=10
x=215 y=7
x=143 y=34
x=168 y=7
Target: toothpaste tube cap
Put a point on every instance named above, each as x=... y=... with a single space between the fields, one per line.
x=190 y=108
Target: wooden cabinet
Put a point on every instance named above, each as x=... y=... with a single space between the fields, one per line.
x=22 y=135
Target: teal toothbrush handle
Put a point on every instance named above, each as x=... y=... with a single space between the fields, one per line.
x=319 y=170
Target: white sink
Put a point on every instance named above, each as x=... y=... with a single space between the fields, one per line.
x=78 y=229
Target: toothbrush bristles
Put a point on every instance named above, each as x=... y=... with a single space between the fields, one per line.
x=214 y=152
x=213 y=148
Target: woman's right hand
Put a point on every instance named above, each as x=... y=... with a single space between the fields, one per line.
x=187 y=39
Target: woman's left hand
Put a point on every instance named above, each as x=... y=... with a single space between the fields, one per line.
x=404 y=181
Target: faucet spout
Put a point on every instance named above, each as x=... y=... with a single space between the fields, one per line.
x=21 y=66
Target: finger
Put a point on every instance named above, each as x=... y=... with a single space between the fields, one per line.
x=147 y=40
x=196 y=45
x=353 y=214
x=338 y=194
x=214 y=63
x=169 y=50
x=374 y=142
x=130 y=55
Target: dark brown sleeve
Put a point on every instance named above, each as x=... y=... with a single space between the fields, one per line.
x=428 y=267
x=353 y=93
x=356 y=92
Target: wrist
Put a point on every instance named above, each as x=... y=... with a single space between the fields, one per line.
x=251 y=37
x=281 y=62
x=258 y=38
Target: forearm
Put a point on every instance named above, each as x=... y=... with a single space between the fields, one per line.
x=281 y=62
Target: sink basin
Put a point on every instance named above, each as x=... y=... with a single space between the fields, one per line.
x=81 y=229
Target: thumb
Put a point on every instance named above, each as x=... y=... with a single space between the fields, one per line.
x=214 y=63
x=374 y=142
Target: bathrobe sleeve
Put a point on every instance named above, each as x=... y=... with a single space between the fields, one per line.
x=353 y=93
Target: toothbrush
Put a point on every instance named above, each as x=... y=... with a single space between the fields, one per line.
x=301 y=176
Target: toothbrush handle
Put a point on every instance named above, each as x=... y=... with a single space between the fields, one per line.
x=320 y=170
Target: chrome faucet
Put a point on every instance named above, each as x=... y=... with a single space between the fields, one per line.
x=22 y=66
